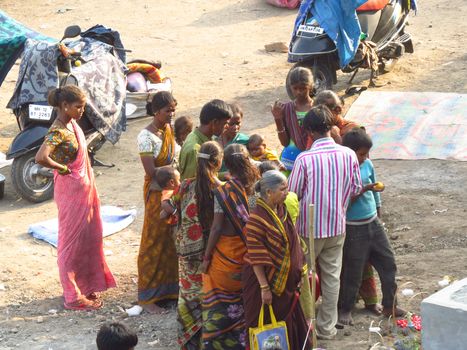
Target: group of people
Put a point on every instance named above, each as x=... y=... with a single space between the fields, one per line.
x=227 y=222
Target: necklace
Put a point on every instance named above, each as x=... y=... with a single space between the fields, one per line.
x=156 y=128
x=64 y=124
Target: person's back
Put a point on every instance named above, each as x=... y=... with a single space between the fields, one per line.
x=327 y=176
x=329 y=171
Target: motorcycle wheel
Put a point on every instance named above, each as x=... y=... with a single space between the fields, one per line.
x=322 y=76
x=28 y=182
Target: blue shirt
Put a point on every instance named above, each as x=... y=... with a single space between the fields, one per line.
x=365 y=206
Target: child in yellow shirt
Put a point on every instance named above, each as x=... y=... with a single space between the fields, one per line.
x=261 y=153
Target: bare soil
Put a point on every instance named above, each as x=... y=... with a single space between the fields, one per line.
x=216 y=50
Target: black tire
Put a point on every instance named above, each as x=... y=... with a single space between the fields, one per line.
x=322 y=76
x=27 y=182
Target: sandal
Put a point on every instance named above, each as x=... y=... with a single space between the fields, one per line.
x=84 y=305
x=93 y=296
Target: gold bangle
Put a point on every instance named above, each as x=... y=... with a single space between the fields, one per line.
x=266 y=286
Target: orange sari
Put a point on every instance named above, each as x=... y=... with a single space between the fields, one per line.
x=157 y=258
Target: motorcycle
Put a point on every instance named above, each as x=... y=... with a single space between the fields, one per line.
x=95 y=62
x=383 y=41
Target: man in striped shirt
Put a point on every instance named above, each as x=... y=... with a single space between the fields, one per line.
x=327 y=176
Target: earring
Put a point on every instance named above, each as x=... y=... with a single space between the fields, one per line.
x=66 y=109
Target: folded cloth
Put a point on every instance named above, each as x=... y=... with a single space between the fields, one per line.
x=114 y=219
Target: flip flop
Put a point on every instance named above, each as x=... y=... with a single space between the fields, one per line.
x=81 y=305
x=93 y=296
x=357 y=89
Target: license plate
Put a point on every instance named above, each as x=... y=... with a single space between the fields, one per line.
x=39 y=112
x=310 y=29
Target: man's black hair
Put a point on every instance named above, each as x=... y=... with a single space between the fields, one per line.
x=357 y=138
x=215 y=109
x=318 y=119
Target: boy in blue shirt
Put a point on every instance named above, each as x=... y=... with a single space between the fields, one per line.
x=365 y=239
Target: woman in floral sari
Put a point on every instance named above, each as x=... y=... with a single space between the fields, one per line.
x=195 y=201
x=157 y=259
x=81 y=263
x=223 y=320
x=275 y=261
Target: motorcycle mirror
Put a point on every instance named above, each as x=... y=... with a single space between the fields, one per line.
x=71 y=32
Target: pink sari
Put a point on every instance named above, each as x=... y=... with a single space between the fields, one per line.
x=81 y=262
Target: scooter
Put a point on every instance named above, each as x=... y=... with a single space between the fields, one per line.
x=32 y=181
x=383 y=29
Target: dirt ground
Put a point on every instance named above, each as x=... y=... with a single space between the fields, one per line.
x=216 y=50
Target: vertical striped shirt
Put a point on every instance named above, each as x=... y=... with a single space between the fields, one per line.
x=327 y=176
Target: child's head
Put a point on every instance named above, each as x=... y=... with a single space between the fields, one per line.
x=167 y=177
x=234 y=124
x=238 y=164
x=256 y=145
x=331 y=100
x=182 y=127
x=216 y=114
x=301 y=82
x=318 y=120
x=359 y=141
x=116 y=336
x=267 y=165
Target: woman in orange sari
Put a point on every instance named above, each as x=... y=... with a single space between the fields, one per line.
x=195 y=201
x=157 y=258
x=223 y=319
x=81 y=263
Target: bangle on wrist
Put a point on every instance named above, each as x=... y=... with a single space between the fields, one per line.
x=265 y=286
x=280 y=131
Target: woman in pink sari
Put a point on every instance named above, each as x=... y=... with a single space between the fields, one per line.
x=81 y=263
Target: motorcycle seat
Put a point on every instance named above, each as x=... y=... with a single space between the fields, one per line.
x=373 y=5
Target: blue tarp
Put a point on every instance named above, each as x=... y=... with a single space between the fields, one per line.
x=339 y=20
x=12 y=38
x=114 y=219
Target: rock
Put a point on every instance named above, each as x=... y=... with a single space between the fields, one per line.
x=347 y=333
x=152 y=343
x=14 y=330
x=277 y=47
x=40 y=319
x=394 y=237
x=134 y=311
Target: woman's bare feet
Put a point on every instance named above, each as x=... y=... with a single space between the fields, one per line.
x=153 y=309
x=398 y=312
x=376 y=309
x=345 y=318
